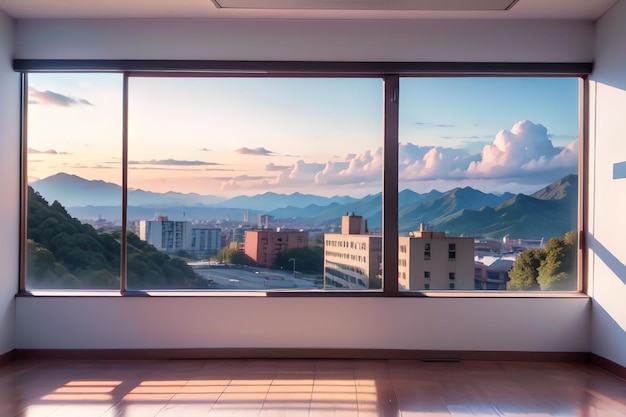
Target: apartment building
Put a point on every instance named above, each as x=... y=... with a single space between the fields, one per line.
x=166 y=235
x=264 y=221
x=171 y=236
x=206 y=239
x=430 y=260
x=352 y=258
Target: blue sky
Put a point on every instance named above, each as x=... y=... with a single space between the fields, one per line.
x=320 y=136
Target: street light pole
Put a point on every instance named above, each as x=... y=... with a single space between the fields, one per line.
x=294 y=265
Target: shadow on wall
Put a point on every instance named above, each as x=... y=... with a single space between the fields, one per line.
x=615 y=265
x=608 y=337
x=7 y=327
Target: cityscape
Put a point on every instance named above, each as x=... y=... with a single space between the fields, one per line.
x=261 y=251
x=257 y=182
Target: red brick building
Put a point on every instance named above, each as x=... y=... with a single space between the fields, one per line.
x=264 y=245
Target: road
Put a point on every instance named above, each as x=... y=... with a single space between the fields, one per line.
x=245 y=278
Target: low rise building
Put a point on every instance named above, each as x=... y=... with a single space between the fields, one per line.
x=492 y=272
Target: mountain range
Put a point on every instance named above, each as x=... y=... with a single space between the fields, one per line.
x=551 y=211
x=75 y=191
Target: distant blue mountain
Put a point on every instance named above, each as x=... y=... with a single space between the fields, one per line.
x=75 y=191
x=551 y=211
x=413 y=208
x=270 y=201
x=450 y=202
x=407 y=198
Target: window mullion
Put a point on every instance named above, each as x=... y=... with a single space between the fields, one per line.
x=124 y=240
x=390 y=184
x=24 y=184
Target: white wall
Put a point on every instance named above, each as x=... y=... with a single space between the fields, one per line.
x=608 y=210
x=546 y=325
x=403 y=40
x=459 y=324
x=9 y=184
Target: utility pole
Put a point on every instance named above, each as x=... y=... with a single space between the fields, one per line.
x=294 y=265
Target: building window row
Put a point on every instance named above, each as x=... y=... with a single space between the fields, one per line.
x=347 y=256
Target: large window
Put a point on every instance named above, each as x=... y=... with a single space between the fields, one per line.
x=74 y=169
x=251 y=176
x=488 y=178
x=195 y=182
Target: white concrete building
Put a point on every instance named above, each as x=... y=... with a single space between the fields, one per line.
x=206 y=239
x=352 y=259
x=433 y=261
x=166 y=235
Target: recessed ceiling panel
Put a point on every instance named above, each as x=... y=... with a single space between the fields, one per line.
x=451 y=5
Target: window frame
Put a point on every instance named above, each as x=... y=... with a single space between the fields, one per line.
x=390 y=73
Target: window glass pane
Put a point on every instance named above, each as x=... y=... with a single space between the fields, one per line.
x=488 y=180
x=74 y=176
x=255 y=183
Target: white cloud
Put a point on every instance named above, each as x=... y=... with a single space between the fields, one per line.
x=49 y=152
x=299 y=173
x=175 y=162
x=436 y=163
x=566 y=158
x=409 y=153
x=522 y=155
x=240 y=178
x=255 y=151
x=51 y=98
x=273 y=167
x=525 y=144
x=363 y=168
x=230 y=185
x=525 y=149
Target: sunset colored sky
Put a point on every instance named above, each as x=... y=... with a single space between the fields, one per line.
x=233 y=136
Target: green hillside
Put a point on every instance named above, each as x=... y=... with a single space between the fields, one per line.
x=63 y=253
x=520 y=217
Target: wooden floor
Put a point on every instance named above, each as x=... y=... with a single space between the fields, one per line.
x=191 y=388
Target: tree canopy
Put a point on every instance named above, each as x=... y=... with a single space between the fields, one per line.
x=559 y=267
x=307 y=260
x=550 y=268
x=233 y=256
x=63 y=253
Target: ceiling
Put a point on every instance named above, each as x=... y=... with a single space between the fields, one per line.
x=523 y=9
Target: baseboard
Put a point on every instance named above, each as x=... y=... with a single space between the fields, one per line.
x=8 y=357
x=609 y=366
x=284 y=353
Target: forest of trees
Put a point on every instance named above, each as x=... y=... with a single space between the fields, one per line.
x=551 y=268
x=63 y=253
x=233 y=256
x=308 y=260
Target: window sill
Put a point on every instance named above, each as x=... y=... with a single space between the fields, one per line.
x=313 y=293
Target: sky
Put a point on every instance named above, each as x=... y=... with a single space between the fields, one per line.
x=245 y=136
